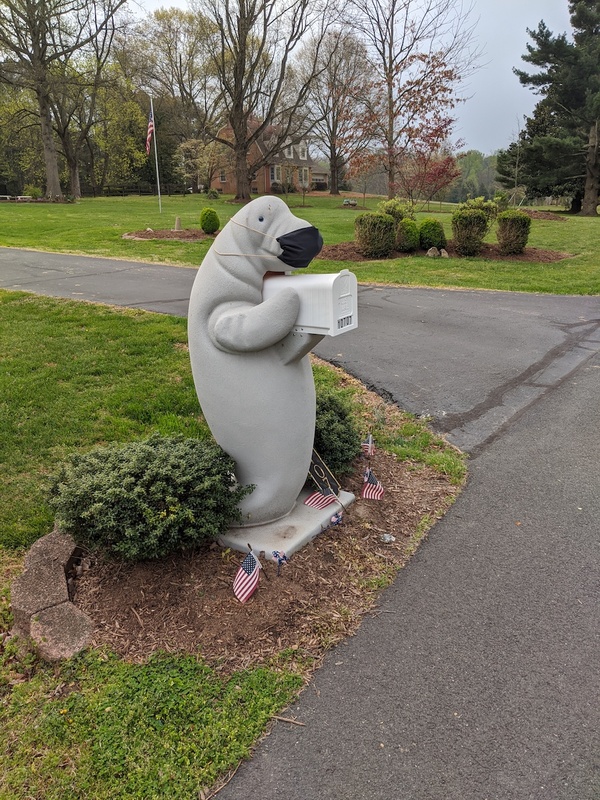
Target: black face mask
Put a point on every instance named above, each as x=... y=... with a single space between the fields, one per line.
x=300 y=247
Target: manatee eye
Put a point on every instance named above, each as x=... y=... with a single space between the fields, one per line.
x=261 y=218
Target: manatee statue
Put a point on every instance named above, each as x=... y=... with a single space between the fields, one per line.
x=251 y=369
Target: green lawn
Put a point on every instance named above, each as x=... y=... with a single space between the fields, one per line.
x=74 y=375
x=96 y=226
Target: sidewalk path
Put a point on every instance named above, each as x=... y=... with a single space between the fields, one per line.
x=478 y=677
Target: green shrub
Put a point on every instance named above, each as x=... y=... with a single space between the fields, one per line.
x=489 y=208
x=375 y=234
x=33 y=191
x=147 y=499
x=407 y=236
x=431 y=234
x=212 y=194
x=501 y=199
x=513 y=231
x=469 y=227
x=337 y=439
x=396 y=209
x=209 y=220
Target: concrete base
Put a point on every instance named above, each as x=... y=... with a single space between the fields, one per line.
x=289 y=534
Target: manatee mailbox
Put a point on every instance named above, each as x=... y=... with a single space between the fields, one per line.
x=250 y=333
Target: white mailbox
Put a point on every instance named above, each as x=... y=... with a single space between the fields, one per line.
x=328 y=303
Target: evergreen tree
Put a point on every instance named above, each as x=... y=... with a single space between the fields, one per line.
x=568 y=78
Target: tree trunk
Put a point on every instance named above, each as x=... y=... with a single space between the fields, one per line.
x=334 y=170
x=592 y=175
x=74 y=180
x=53 y=190
x=242 y=179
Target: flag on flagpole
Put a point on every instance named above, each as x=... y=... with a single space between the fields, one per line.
x=150 y=132
x=368 y=445
x=320 y=500
x=246 y=580
x=372 y=489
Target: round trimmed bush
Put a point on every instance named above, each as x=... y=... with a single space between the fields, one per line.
x=337 y=439
x=375 y=234
x=209 y=220
x=407 y=236
x=147 y=499
x=431 y=234
x=513 y=231
x=489 y=208
x=468 y=229
x=395 y=209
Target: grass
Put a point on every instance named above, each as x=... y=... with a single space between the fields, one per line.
x=95 y=227
x=74 y=375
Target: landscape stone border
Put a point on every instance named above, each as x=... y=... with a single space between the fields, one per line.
x=42 y=607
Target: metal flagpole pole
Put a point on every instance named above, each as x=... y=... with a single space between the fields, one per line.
x=156 y=156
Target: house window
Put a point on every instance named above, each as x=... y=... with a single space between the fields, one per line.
x=275 y=174
x=289 y=151
x=303 y=152
x=303 y=176
x=223 y=176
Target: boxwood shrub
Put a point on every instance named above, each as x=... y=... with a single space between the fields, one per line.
x=337 y=438
x=513 y=231
x=147 y=499
x=431 y=234
x=469 y=227
x=407 y=236
x=396 y=209
x=209 y=220
x=375 y=234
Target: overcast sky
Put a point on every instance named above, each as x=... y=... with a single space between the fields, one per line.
x=491 y=118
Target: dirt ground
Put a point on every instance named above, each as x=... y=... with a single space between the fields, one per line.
x=186 y=603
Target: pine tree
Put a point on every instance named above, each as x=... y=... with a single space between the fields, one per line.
x=568 y=78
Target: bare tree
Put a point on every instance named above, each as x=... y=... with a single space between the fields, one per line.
x=168 y=55
x=337 y=98
x=36 y=38
x=251 y=54
x=419 y=52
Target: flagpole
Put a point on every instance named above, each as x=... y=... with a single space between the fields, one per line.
x=156 y=156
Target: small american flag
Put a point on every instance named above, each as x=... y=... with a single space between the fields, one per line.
x=368 y=445
x=336 y=519
x=320 y=500
x=372 y=489
x=150 y=132
x=247 y=578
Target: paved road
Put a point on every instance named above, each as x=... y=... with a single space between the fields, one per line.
x=478 y=679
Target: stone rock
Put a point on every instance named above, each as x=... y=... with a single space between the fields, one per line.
x=42 y=585
x=177 y=224
x=61 y=631
x=56 y=547
x=444 y=253
x=433 y=252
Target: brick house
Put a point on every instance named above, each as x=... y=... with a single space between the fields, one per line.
x=293 y=165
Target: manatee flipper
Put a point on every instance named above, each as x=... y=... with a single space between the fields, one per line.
x=296 y=345
x=247 y=328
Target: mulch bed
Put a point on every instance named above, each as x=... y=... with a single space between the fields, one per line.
x=185 y=603
x=348 y=251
